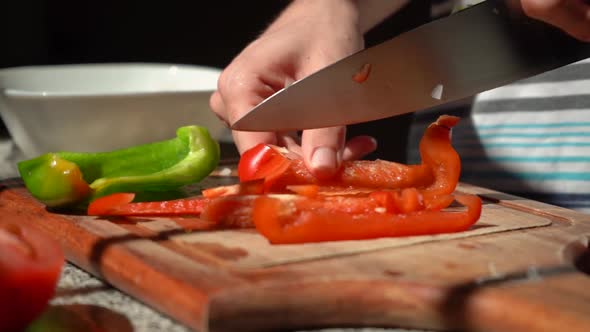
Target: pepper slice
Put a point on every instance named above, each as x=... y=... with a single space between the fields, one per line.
x=281 y=172
x=69 y=178
x=367 y=199
x=120 y=204
x=437 y=152
x=264 y=161
x=438 y=174
x=287 y=222
x=252 y=187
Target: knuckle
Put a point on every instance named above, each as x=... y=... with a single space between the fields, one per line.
x=581 y=34
x=215 y=103
x=222 y=81
x=541 y=8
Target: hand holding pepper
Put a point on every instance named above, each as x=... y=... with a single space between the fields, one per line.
x=312 y=34
x=309 y=35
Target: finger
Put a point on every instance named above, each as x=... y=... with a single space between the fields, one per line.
x=245 y=140
x=358 y=147
x=240 y=90
x=572 y=16
x=242 y=101
x=246 y=83
x=322 y=150
x=290 y=141
x=217 y=106
x=242 y=95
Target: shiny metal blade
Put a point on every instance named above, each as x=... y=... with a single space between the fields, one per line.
x=474 y=50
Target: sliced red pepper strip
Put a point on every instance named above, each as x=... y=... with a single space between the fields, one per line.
x=360 y=173
x=107 y=204
x=279 y=169
x=386 y=199
x=438 y=202
x=120 y=205
x=237 y=210
x=230 y=211
x=437 y=152
x=264 y=161
x=281 y=223
x=438 y=173
x=307 y=190
x=341 y=203
x=252 y=187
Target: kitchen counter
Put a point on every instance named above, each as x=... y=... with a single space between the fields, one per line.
x=85 y=302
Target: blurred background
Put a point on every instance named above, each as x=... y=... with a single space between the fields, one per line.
x=209 y=33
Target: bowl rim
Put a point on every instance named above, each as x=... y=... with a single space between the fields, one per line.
x=30 y=93
x=27 y=94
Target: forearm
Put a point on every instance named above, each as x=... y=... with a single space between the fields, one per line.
x=373 y=12
x=366 y=13
x=326 y=10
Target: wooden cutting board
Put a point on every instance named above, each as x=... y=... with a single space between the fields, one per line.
x=520 y=268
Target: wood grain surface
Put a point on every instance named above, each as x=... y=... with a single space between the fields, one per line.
x=520 y=268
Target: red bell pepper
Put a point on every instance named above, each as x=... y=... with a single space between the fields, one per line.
x=237 y=210
x=252 y=187
x=308 y=190
x=438 y=174
x=284 y=222
x=366 y=199
x=120 y=204
x=437 y=152
x=264 y=162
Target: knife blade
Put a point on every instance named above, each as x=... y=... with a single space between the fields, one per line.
x=474 y=50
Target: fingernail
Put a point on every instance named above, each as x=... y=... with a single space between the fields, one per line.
x=324 y=159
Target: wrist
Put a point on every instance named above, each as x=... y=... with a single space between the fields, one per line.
x=373 y=12
x=337 y=11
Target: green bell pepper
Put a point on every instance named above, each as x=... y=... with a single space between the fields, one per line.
x=71 y=178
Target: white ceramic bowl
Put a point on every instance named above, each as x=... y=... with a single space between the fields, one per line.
x=102 y=107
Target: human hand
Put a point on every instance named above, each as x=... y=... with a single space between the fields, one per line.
x=308 y=36
x=572 y=16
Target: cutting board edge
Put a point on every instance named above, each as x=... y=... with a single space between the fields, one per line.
x=212 y=300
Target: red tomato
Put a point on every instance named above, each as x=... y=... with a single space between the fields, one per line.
x=30 y=266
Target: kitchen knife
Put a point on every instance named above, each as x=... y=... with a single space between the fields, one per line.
x=483 y=47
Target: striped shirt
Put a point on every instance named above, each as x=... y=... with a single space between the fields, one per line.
x=530 y=138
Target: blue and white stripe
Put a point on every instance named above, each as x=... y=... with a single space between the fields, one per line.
x=530 y=138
